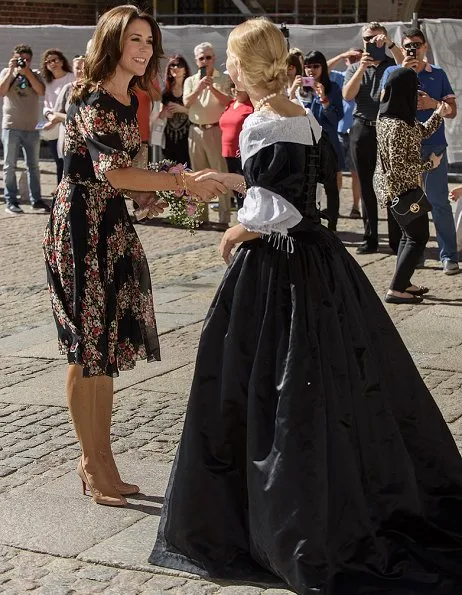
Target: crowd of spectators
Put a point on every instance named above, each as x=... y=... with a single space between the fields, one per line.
x=195 y=118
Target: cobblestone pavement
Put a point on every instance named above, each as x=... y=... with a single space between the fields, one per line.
x=37 y=443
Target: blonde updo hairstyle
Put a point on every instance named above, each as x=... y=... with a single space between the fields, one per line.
x=259 y=51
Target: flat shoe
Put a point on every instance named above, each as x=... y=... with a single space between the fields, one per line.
x=394 y=299
x=420 y=291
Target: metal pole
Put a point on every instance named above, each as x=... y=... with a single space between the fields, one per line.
x=175 y=10
x=296 y=11
x=356 y=11
x=315 y=12
x=154 y=9
x=415 y=20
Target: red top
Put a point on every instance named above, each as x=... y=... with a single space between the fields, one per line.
x=231 y=122
x=143 y=113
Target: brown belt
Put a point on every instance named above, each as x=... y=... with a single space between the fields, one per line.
x=205 y=126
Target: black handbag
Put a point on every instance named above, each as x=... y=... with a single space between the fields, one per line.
x=409 y=205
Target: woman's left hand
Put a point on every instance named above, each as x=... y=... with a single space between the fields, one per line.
x=235 y=235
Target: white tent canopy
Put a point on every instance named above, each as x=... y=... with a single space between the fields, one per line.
x=444 y=36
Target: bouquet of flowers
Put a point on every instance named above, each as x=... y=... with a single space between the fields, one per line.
x=184 y=210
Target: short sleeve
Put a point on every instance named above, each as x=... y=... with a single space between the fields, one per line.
x=349 y=73
x=188 y=86
x=107 y=137
x=446 y=88
x=386 y=74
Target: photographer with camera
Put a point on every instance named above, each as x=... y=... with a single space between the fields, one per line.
x=434 y=87
x=362 y=83
x=21 y=88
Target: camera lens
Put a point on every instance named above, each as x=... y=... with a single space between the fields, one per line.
x=21 y=62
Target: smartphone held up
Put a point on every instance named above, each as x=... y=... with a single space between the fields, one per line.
x=308 y=81
x=203 y=71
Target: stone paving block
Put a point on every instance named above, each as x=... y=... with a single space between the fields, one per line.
x=241 y=590
x=47 y=389
x=19 y=341
x=30 y=522
x=129 y=548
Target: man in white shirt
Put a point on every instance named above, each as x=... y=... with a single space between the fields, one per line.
x=206 y=97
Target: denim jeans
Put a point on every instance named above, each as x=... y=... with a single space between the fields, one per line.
x=436 y=186
x=29 y=142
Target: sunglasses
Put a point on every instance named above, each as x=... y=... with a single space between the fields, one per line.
x=313 y=65
x=413 y=45
x=53 y=61
x=202 y=58
x=368 y=37
x=176 y=66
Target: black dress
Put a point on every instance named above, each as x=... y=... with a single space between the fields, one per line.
x=176 y=132
x=312 y=451
x=98 y=275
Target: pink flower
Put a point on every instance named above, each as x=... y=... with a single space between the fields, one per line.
x=176 y=169
x=191 y=209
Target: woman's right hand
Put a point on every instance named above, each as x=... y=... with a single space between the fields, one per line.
x=436 y=160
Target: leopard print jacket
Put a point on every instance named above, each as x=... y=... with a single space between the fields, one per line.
x=398 y=152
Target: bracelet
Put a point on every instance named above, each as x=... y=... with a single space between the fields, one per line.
x=241 y=188
x=185 y=185
x=179 y=189
x=390 y=47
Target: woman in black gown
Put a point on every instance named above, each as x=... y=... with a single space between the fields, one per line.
x=312 y=451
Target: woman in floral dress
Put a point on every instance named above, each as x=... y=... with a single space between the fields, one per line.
x=97 y=271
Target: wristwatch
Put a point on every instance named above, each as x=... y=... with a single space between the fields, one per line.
x=390 y=47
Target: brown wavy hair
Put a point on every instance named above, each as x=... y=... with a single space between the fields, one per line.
x=176 y=59
x=46 y=74
x=106 y=50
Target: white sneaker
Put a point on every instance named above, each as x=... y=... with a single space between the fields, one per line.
x=13 y=210
x=450 y=267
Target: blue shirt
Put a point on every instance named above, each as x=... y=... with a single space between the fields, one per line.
x=346 y=122
x=328 y=118
x=434 y=81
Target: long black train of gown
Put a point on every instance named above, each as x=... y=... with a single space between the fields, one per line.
x=312 y=451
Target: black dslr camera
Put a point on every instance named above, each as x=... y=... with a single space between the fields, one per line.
x=21 y=63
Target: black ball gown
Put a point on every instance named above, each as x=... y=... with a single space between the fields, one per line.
x=312 y=452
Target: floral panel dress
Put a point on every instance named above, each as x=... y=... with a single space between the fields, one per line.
x=98 y=275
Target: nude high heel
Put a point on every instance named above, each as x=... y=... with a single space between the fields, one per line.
x=96 y=494
x=126 y=489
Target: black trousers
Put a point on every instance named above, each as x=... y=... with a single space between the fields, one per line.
x=413 y=241
x=53 y=144
x=235 y=167
x=363 y=146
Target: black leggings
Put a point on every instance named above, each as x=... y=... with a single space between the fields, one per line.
x=413 y=241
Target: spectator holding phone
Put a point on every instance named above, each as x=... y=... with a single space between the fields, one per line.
x=206 y=95
x=21 y=88
x=324 y=99
x=294 y=77
x=343 y=130
x=434 y=87
x=362 y=83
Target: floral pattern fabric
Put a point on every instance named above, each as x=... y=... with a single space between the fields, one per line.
x=98 y=275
